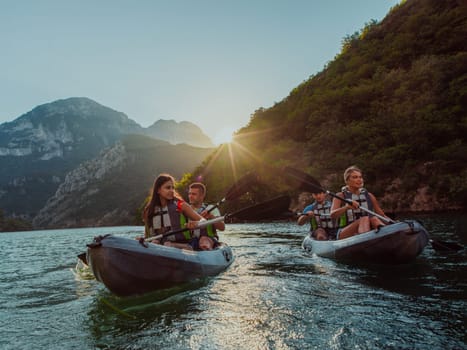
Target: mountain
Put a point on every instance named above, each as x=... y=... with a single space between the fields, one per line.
x=39 y=148
x=75 y=126
x=393 y=102
x=173 y=132
x=108 y=189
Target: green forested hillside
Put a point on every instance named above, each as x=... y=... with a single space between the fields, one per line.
x=392 y=102
x=12 y=224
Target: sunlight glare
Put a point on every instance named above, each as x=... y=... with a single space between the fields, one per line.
x=224 y=135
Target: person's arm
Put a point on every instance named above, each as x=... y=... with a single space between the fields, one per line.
x=220 y=226
x=303 y=219
x=339 y=207
x=192 y=215
x=376 y=205
x=306 y=215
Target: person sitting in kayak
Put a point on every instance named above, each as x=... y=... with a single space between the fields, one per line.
x=204 y=238
x=322 y=226
x=354 y=220
x=167 y=211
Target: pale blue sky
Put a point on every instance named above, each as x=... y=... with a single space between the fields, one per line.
x=205 y=61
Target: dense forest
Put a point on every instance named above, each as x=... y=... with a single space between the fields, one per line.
x=393 y=102
x=8 y=224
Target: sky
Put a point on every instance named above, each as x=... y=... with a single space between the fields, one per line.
x=210 y=62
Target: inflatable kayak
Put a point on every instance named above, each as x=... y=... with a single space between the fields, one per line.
x=130 y=267
x=396 y=243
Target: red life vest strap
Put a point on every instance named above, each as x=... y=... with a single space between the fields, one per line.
x=179 y=205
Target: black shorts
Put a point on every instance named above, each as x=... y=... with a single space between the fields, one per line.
x=331 y=232
x=194 y=242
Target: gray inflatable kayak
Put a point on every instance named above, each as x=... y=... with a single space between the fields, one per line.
x=396 y=243
x=127 y=267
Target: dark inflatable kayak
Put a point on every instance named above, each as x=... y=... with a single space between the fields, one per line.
x=396 y=243
x=127 y=267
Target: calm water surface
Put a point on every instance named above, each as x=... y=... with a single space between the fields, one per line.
x=274 y=296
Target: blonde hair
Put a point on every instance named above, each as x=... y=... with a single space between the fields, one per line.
x=350 y=170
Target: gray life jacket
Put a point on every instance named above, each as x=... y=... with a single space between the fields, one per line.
x=170 y=218
x=322 y=216
x=363 y=199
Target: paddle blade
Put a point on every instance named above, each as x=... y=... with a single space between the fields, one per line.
x=83 y=258
x=241 y=186
x=307 y=182
x=443 y=246
x=275 y=208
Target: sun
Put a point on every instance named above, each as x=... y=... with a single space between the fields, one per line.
x=224 y=135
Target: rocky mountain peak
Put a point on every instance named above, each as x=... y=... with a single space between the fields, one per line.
x=179 y=132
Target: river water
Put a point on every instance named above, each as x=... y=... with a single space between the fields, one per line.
x=274 y=296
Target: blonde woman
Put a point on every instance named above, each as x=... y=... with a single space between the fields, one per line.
x=352 y=219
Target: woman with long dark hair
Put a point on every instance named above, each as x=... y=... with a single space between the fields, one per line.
x=167 y=211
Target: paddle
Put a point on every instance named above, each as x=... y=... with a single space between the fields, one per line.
x=310 y=183
x=82 y=257
x=274 y=208
x=237 y=189
x=262 y=210
x=201 y=224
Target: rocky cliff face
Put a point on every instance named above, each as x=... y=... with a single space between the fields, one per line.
x=107 y=190
x=420 y=198
x=46 y=143
x=78 y=187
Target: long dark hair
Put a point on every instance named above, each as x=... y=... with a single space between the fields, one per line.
x=155 y=200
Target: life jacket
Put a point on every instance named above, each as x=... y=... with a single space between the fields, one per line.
x=322 y=216
x=209 y=230
x=170 y=218
x=351 y=215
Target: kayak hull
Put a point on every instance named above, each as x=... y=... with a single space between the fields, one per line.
x=127 y=267
x=396 y=243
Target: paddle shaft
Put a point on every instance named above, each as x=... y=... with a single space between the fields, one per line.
x=349 y=201
x=201 y=224
x=216 y=205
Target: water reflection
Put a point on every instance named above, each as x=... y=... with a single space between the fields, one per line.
x=112 y=319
